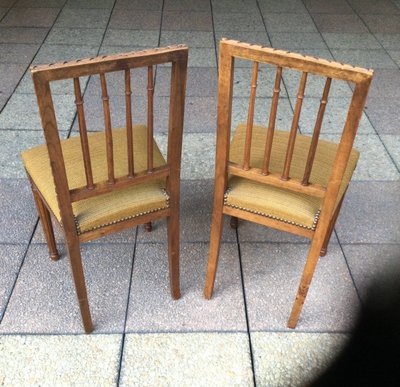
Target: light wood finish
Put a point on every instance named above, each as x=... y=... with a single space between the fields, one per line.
x=169 y=172
x=331 y=194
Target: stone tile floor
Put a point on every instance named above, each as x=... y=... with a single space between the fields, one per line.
x=141 y=336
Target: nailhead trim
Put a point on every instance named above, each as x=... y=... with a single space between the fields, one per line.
x=78 y=229
x=316 y=216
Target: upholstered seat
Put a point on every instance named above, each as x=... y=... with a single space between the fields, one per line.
x=109 y=208
x=275 y=202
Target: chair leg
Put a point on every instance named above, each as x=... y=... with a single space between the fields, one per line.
x=305 y=281
x=173 y=253
x=215 y=239
x=47 y=226
x=79 y=281
x=148 y=227
x=332 y=223
x=234 y=222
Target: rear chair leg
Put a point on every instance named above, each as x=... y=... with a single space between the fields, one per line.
x=332 y=223
x=47 y=226
x=234 y=222
x=148 y=227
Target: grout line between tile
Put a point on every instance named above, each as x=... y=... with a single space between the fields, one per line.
x=126 y=312
x=245 y=310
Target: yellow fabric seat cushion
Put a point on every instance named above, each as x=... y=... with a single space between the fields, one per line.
x=279 y=203
x=111 y=207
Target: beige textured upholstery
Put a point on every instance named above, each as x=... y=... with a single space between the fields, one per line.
x=111 y=207
x=277 y=203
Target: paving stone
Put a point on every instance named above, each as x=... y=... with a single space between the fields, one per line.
x=11 y=257
x=293 y=359
x=152 y=309
x=83 y=18
x=18 y=53
x=57 y=87
x=202 y=57
x=30 y=17
x=289 y=22
x=39 y=3
x=243 y=22
x=365 y=58
x=12 y=117
x=13 y=143
x=382 y=7
x=242 y=6
x=328 y=6
x=149 y=5
x=284 y=6
x=252 y=37
x=272 y=275
x=374 y=162
x=90 y=4
x=392 y=144
x=382 y=23
x=370 y=213
x=262 y=108
x=359 y=41
x=22 y=35
x=129 y=38
x=297 y=40
x=242 y=78
x=198 y=153
x=83 y=359
x=187 y=5
x=51 y=53
x=193 y=40
x=384 y=116
x=334 y=117
x=201 y=82
x=389 y=41
x=395 y=55
x=339 y=23
x=46 y=288
x=90 y=36
x=196 y=211
x=385 y=85
x=187 y=21
x=10 y=74
x=314 y=86
x=18 y=211
x=186 y=360
x=133 y=19
x=372 y=265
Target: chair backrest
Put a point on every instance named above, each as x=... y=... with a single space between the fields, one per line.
x=43 y=75
x=283 y=61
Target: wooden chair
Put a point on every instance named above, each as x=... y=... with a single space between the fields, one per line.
x=100 y=183
x=276 y=178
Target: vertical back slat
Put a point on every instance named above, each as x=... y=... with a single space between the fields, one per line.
x=150 y=118
x=316 y=133
x=129 y=133
x=83 y=134
x=272 y=120
x=250 y=118
x=293 y=129
x=108 y=131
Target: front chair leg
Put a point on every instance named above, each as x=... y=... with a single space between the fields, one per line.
x=305 y=281
x=47 y=226
x=80 y=286
x=173 y=253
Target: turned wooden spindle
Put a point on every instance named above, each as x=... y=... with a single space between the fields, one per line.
x=129 y=133
x=150 y=119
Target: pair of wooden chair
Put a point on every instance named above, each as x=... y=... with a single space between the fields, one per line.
x=99 y=183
